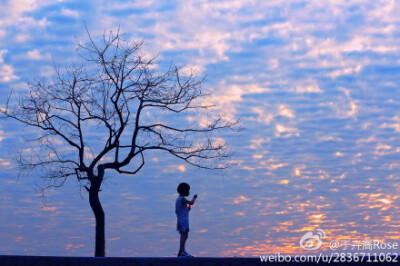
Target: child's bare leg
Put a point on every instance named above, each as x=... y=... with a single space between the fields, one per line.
x=184 y=237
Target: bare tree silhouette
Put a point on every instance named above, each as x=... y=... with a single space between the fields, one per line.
x=120 y=94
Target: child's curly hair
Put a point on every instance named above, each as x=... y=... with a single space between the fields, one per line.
x=183 y=187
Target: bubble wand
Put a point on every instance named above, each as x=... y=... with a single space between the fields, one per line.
x=196 y=208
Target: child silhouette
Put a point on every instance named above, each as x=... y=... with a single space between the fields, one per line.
x=182 y=208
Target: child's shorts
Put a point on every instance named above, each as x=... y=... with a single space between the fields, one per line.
x=182 y=226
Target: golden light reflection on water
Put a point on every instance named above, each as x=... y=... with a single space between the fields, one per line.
x=349 y=216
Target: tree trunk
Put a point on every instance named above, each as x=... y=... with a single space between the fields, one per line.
x=100 y=248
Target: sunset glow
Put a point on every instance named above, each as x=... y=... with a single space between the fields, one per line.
x=315 y=85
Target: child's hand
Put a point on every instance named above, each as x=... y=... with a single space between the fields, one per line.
x=195 y=196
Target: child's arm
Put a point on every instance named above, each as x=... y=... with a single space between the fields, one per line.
x=190 y=202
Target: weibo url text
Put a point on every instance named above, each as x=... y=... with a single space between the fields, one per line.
x=333 y=257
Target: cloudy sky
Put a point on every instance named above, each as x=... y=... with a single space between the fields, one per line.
x=315 y=84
